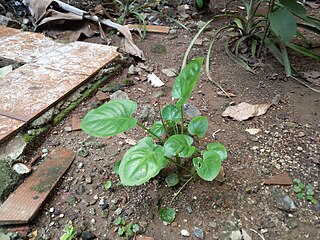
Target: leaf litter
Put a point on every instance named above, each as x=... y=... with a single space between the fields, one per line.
x=244 y=111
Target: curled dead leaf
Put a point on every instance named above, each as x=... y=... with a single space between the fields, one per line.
x=243 y=111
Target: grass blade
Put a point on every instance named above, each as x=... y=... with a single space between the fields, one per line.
x=286 y=61
x=237 y=59
x=304 y=51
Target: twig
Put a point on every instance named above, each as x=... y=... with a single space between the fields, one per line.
x=177 y=193
x=306 y=85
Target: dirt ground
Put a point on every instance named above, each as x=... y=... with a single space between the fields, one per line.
x=288 y=143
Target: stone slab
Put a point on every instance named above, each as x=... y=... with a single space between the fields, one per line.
x=22 y=205
x=52 y=71
x=8 y=125
x=26 y=46
x=6 y=32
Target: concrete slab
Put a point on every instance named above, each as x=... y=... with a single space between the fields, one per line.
x=51 y=71
x=8 y=125
x=25 y=201
x=26 y=46
x=5 y=32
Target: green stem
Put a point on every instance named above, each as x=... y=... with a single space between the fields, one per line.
x=177 y=193
x=177 y=164
x=150 y=132
x=182 y=120
x=266 y=28
x=163 y=123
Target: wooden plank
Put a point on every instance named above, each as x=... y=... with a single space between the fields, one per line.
x=22 y=205
x=150 y=28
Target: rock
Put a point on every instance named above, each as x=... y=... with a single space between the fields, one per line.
x=82 y=152
x=87 y=235
x=21 y=168
x=119 y=95
x=134 y=70
x=118 y=211
x=112 y=87
x=198 y=232
x=12 y=149
x=8 y=22
x=105 y=206
x=169 y=72
x=88 y=180
x=191 y=110
x=158 y=48
x=142 y=237
x=292 y=223
x=146 y=113
x=213 y=224
x=245 y=235
x=235 y=235
x=43 y=119
x=185 y=233
x=189 y=209
x=173 y=31
x=80 y=190
x=283 y=201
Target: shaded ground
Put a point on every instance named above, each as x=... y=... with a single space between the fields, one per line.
x=288 y=142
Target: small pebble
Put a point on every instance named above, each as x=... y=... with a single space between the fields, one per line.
x=198 y=232
x=185 y=233
x=88 y=180
x=118 y=211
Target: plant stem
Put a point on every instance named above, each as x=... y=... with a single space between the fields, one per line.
x=266 y=29
x=177 y=193
x=182 y=120
x=152 y=133
x=177 y=164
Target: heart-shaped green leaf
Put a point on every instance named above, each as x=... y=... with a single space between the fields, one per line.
x=110 y=119
x=218 y=148
x=179 y=145
x=208 y=168
x=186 y=81
x=198 y=126
x=172 y=179
x=167 y=214
x=141 y=162
x=294 y=7
x=157 y=128
x=171 y=112
x=283 y=24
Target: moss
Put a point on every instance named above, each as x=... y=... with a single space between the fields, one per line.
x=57 y=119
x=33 y=133
x=8 y=179
x=49 y=178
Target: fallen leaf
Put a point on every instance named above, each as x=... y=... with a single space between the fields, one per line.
x=280 y=179
x=101 y=96
x=244 y=111
x=60 y=18
x=154 y=80
x=130 y=141
x=169 y=72
x=253 y=131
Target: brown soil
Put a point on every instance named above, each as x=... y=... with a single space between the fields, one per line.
x=288 y=142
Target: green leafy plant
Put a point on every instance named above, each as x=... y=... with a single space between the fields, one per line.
x=131 y=8
x=303 y=191
x=70 y=233
x=277 y=30
x=126 y=230
x=170 y=140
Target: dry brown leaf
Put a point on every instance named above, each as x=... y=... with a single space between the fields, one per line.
x=253 y=131
x=243 y=111
x=61 y=18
